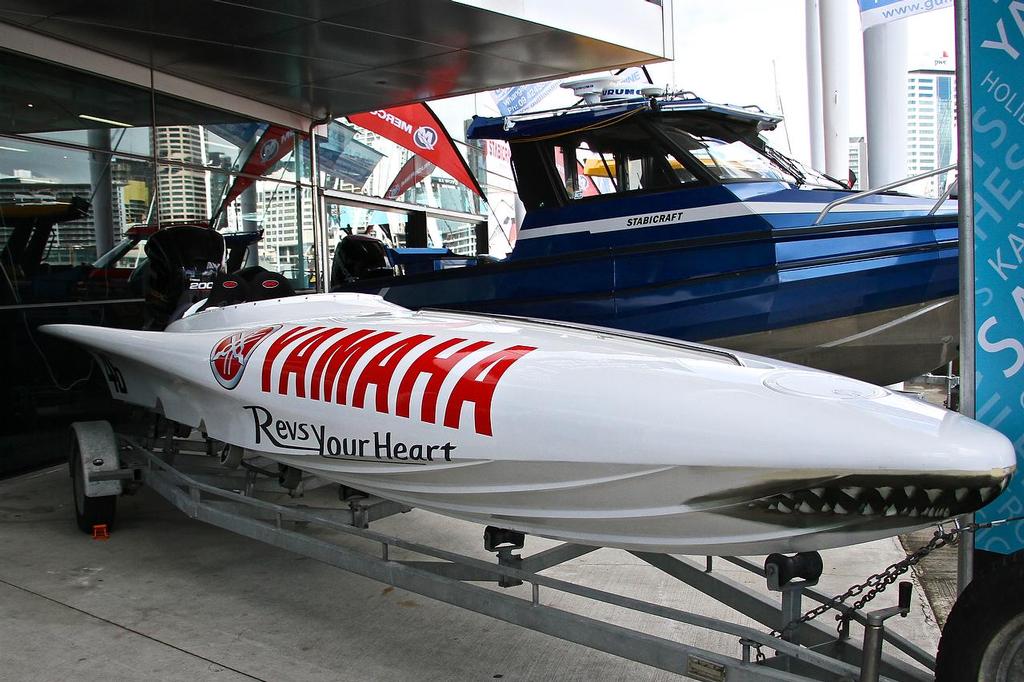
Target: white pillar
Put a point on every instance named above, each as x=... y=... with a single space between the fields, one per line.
x=101 y=181
x=814 y=98
x=885 y=84
x=835 y=82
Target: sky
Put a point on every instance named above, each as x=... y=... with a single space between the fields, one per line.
x=753 y=52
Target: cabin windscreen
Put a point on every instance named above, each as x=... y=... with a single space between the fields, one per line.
x=730 y=160
x=738 y=155
x=626 y=158
x=649 y=155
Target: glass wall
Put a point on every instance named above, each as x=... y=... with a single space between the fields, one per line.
x=88 y=163
x=90 y=168
x=354 y=159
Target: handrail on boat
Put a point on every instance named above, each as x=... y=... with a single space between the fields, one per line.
x=945 y=195
x=892 y=185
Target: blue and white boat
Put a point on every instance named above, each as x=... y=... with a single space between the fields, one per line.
x=671 y=216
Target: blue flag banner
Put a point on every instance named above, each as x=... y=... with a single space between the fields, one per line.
x=997 y=106
x=522 y=97
x=874 y=12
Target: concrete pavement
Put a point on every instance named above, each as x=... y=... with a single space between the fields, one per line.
x=169 y=598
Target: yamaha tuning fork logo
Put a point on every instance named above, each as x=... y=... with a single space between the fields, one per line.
x=229 y=357
x=425 y=137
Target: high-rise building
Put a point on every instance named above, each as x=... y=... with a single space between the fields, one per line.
x=931 y=123
x=287 y=241
x=859 y=161
x=183 y=193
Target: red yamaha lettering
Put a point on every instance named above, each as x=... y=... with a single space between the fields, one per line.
x=298 y=359
x=437 y=369
x=340 y=359
x=380 y=370
x=480 y=392
x=278 y=346
x=334 y=354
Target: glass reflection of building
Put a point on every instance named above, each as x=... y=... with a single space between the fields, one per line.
x=286 y=235
x=931 y=123
x=90 y=137
x=184 y=193
x=67 y=134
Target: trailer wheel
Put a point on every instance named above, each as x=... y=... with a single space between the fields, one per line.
x=231 y=456
x=984 y=636
x=88 y=441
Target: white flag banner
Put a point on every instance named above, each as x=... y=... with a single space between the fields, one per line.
x=874 y=12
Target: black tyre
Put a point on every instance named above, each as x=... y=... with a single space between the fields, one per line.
x=231 y=456
x=89 y=511
x=983 y=640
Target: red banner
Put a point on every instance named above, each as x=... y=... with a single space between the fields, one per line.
x=274 y=144
x=415 y=127
x=414 y=170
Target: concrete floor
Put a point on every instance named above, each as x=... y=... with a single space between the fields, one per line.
x=937 y=572
x=167 y=598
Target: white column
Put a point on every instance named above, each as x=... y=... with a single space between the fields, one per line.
x=835 y=81
x=885 y=84
x=101 y=180
x=815 y=121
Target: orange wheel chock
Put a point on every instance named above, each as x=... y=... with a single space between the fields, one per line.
x=100 y=532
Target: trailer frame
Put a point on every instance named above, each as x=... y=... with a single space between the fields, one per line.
x=186 y=473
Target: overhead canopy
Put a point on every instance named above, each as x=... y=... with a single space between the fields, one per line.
x=358 y=55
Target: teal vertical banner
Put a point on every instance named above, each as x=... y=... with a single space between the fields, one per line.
x=997 y=128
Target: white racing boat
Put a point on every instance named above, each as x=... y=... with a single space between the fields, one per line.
x=587 y=435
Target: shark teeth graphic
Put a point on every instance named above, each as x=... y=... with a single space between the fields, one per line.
x=883 y=501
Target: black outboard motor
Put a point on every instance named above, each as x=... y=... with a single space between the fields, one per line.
x=184 y=262
x=358 y=257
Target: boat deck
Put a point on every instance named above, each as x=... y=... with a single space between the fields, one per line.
x=170 y=598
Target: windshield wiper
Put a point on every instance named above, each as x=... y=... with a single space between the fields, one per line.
x=787 y=164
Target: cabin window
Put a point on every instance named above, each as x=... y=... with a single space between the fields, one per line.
x=616 y=160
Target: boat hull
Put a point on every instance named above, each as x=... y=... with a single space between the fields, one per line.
x=664 y=509
x=794 y=293
x=875 y=347
x=585 y=435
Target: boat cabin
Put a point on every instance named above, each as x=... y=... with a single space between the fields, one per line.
x=635 y=147
x=617 y=155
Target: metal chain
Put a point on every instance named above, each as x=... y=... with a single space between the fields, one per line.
x=877 y=583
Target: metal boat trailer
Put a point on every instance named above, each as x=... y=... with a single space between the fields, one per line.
x=210 y=482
